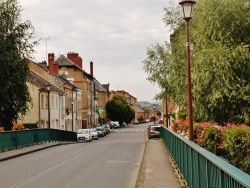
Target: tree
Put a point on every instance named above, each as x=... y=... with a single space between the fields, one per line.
x=219 y=61
x=221 y=82
x=15 y=49
x=117 y=109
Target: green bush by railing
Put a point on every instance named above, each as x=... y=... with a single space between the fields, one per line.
x=14 y=139
x=200 y=168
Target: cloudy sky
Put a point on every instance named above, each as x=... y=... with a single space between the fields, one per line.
x=114 y=34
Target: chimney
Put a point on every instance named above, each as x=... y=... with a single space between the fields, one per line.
x=51 y=62
x=73 y=56
x=91 y=68
x=55 y=67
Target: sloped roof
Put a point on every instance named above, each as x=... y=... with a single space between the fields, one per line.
x=64 y=61
x=106 y=86
x=99 y=86
x=41 y=82
x=65 y=81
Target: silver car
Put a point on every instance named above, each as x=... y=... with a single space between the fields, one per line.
x=94 y=134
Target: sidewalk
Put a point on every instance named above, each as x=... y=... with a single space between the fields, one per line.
x=156 y=170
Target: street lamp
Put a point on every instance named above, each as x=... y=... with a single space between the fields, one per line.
x=72 y=106
x=187 y=8
x=48 y=89
x=154 y=114
x=166 y=112
x=168 y=115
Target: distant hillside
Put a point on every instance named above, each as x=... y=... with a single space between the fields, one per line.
x=158 y=105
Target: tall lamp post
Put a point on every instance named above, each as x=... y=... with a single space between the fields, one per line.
x=72 y=106
x=168 y=115
x=167 y=112
x=187 y=8
x=154 y=114
x=48 y=89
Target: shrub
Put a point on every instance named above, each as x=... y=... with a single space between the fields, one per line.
x=232 y=142
x=236 y=142
x=209 y=137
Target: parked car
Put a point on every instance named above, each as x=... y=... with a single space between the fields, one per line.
x=112 y=125
x=84 y=134
x=94 y=134
x=116 y=123
x=124 y=124
x=136 y=122
x=106 y=127
x=100 y=131
x=154 y=132
x=149 y=126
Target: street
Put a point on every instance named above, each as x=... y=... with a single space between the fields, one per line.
x=110 y=162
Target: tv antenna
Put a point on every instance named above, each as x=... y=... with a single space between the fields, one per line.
x=46 y=46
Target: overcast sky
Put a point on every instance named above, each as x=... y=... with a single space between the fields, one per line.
x=114 y=34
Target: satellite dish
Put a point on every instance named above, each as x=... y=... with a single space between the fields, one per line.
x=66 y=73
x=60 y=72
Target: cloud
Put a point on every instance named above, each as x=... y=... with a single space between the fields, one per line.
x=114 y=34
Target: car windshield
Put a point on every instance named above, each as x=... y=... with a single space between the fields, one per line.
x=82 y=131
x=92 y=130
x=99 y=129
x=156 y=128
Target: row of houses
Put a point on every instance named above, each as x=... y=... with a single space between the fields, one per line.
x=66 y=97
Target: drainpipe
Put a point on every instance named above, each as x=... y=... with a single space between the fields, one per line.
x=76 y=108
x=39 y=110
x=41 y=90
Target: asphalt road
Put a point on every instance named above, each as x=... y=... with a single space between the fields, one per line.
x=110 y=162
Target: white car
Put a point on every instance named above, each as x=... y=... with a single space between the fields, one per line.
x=116 y=123
x=94 y=134
x=84 y=134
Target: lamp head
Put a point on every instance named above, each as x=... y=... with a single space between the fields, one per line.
x=48 y=86
x=187 y=8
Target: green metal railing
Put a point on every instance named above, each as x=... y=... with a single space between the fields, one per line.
x=198 y=167
x=15 y=139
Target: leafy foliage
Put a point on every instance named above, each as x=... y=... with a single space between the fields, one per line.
x=117 y=109
x=219 y=61
x=15 y=48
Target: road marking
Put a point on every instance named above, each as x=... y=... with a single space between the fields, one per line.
x=123 y=131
